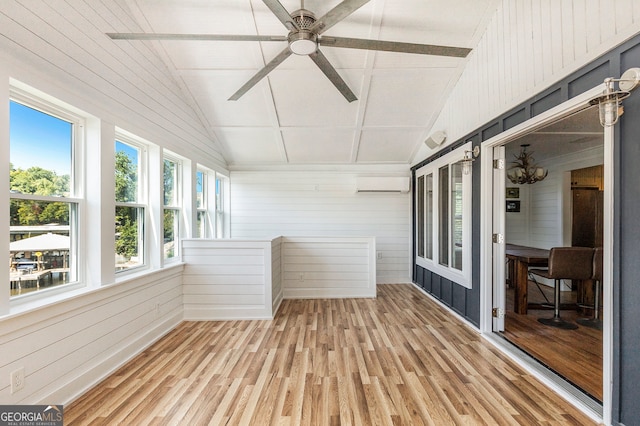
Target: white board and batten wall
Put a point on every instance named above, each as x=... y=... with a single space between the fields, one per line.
x=529 y=46
x=248 y=279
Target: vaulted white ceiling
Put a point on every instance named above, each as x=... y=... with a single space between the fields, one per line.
x=295 y=115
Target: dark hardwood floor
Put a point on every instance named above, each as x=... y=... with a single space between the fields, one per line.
x=575 y=355
x=399 y=359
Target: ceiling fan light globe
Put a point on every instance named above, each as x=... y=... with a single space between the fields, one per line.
x=303 y=47
x=303 y=42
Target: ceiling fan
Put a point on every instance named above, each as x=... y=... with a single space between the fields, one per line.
x=304 y=38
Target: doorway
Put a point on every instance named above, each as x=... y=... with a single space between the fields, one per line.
x=543 y=215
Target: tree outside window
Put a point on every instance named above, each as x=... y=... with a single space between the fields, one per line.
x=171 y=208
x=43 y=206
x=130 y=212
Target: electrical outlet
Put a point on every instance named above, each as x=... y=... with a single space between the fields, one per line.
x=379 y=255
x=157 y=309
x=17 y=380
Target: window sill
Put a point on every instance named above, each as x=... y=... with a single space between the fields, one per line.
x=72 y=292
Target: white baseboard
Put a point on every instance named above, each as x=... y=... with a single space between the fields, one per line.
x=226 y=314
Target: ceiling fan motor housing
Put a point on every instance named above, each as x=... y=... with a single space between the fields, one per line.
x=303 y=41
x=304 y=18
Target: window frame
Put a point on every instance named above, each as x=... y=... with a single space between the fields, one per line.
x=142 y=202
x=203 y=229
x=221 y=206
x=175 y=207
x=463 y=276
x=75 y=198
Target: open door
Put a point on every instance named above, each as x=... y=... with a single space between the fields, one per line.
x=499 y=290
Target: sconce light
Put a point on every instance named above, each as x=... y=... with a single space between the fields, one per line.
x=469 y=158
x=610 y=102
x=524 y=169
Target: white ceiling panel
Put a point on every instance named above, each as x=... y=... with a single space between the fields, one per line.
x=444 y=22
x=322 y=145
x=399 y=94
x=394 y=60
x=211 y=90
x=251 y=145
x=392 y=145
x=199 y=16
x=214 y=54
x=422 y=90
x=307 y=98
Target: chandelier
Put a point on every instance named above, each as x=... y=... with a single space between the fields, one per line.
x=524 y=169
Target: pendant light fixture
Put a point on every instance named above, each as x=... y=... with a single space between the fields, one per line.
x=524 y=169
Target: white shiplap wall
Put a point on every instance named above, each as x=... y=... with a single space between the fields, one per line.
x=530 y=45
x=67 y=55
x=277 y=292
x=324 y=203
x=68 y=347
x=229 y=279
x=59 y=47
x=328 y=267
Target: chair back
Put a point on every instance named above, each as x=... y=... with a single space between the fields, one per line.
x=597 y=264
x=574 y=263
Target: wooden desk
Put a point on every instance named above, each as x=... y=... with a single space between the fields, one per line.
x=523 y=257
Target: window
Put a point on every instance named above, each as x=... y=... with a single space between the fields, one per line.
x=420 y=225
x=171 y=213
x=443 y=208
x=130 y=207
x=201 y=204
x=428 y=220
x=44 y=196
x=221 y=231
x=210 y=204
x=443 y=230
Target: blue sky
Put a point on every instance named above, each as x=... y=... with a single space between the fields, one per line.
x=38 y=139
x=130 y=151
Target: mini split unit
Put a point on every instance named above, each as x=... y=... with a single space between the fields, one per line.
x=382 y=184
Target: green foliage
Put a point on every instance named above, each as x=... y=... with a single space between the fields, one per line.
x=169 y=182
x=127 y=231
x=55 y=213
x=38 y=181
x=169 y=225
x=31 y=213
x=126 y=178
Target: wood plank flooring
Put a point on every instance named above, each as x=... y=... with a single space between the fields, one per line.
x=574 y=354
x=399 y=359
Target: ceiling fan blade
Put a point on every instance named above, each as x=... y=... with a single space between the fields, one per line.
x=328 y=70
x=261 y=74
x=394 y=46
x=281 y=13
x=337 y=14
x=205 y=37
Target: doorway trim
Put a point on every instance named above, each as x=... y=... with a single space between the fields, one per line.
x=567 y=108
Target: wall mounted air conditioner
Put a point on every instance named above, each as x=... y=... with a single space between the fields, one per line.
x=382 y=184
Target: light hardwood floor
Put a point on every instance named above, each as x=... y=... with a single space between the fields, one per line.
x=397 y=359
x=575 y=355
